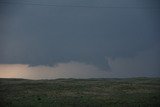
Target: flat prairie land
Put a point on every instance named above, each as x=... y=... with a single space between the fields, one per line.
x=109 y=92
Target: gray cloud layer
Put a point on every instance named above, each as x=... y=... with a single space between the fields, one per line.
x=42 y=35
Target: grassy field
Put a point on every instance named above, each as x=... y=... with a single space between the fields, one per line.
x=128 y=92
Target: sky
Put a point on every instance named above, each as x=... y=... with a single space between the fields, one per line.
x=79 y=38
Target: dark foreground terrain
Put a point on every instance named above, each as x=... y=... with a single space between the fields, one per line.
x=133 y=92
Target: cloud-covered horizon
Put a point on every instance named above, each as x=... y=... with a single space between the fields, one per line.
x=122 y=40
x=119 y=68
x=61 y=70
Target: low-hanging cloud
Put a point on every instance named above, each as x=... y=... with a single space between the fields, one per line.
x=145 y=64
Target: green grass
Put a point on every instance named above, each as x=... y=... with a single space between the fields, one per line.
x=128 y=92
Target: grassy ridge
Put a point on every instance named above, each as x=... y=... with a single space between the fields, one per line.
x=129 y=92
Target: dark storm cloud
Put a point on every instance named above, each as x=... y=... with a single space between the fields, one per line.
x=46 y=35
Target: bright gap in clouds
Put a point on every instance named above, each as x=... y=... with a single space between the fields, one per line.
x=61 y=70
